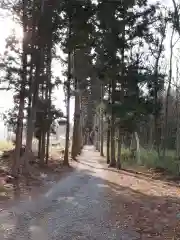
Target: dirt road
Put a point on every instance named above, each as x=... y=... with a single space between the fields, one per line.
x=97 y=203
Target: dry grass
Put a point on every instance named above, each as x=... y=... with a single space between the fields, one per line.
x=5 y=146
x=26 y=186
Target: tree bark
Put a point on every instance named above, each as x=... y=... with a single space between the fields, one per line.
x=19 y=130
x=102 y=124
x=113 y=150
x=99 y=132
x=47 y=146
x=138 y=157
x=102 y=135
x=118 y=164
x=43 y=147
x=68 y=85
x=108 y=143
x=76 y=143
x=39 y=145
x=177 y=114
x=35 y=89
x=167 y=96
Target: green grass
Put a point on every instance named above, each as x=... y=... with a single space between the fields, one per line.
x=150 y=159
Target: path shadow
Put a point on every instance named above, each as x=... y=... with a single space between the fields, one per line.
x=121 y=207
x=21 y=229
x=16 y=189
x=137 y=174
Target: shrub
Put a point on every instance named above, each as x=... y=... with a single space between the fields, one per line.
x=150 y=159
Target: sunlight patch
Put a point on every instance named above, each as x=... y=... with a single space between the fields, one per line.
x=38 y=233
x=8 y=228
x=61 y=198
x=102 y=185
x=95 y=201
x=69 y=199
x=49 y=193
x=43 y=175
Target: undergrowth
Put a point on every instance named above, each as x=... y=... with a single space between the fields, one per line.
x=150 y=159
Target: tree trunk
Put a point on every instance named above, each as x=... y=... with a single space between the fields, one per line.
x=66 y=154
x=81 y=125
x=167 y=96
x=108 y=143
x=49 y=85
x=76 y=144
x=47 y=146
x=19 y=130
x=39 y=145
x=138 y=157
x=108 y=129
x=99 y=132
x=102 y=135
x=43 y=147
x=150 y=137
x=177 y=114
x=102 y=123
x=119 y=145
x=96 y=132
x=156 y=142
x=30 y=130
x=68 y=85
x=178 y=136
x=113 y=150
x=35 y=90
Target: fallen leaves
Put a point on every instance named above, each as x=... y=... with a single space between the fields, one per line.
x=146 y=205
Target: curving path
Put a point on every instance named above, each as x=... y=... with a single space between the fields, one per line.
x=93 y=202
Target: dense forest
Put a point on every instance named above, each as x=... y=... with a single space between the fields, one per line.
x=120 y=64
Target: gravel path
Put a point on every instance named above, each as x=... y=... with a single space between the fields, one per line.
x=87 y=204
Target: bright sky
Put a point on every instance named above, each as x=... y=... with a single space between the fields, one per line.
x=6 y=100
